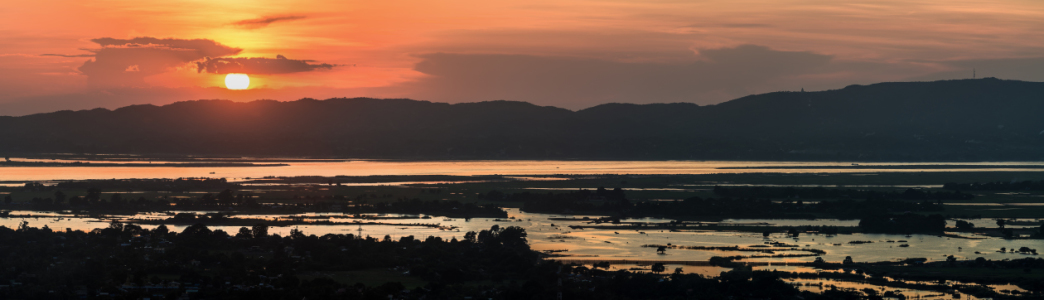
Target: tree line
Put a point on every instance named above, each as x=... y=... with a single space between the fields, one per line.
x=127 y=262
x=615 y=202
x=825 y=193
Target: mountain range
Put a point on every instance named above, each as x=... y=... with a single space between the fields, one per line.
x=956 y=120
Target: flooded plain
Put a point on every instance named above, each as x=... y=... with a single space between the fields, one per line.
x=551 y=233
x=484 y=167
x=632 y=249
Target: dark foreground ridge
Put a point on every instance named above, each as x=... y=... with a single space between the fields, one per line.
x=129 y=262
x=958 y=120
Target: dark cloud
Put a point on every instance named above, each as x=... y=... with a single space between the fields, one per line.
x=745 y=25
x=126 y=62
x=264 y=21
x=68 y=55
x=258 y=65
x=713 y=76
x=203 y=47
x=732 y=25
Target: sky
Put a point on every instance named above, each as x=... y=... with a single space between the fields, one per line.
x=72 y=55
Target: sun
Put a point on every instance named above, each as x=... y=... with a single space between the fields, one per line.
x=236 y=81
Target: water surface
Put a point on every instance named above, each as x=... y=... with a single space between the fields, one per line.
x=487 y=167
x=547 y=233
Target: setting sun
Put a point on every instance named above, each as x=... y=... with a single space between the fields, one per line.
x=235 y=81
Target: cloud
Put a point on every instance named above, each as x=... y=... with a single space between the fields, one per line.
x=258 y=65
x=744 y=25
x=732 y=25
x=68 y=55
x=126 y=62
x=713 y=76
x=203 y=47
x=264 y=21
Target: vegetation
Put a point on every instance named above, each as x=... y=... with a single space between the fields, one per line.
x=614 y=202
x=93 y=200
x=204 y=263
x=1025 y=272
x=825 y=193
x=1026 y=185
x=173 y=185
x=127 y=262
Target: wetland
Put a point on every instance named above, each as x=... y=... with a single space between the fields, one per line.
x=863 y=232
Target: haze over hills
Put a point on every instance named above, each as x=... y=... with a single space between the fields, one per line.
x=958 y=120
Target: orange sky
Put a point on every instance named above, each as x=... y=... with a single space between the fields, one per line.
x=572 y=54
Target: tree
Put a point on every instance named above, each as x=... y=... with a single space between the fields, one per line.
x=848 y=260
x=197 y=230
x=226 y=197
x=964 y=225
x=1000 y=223
x=658 y=267
x=513 y=236
x=161 y=230
x=116 y=199
x=260 y=231
x=297 y=233
x=114 y=224
x=661 y=250
x=59 y=197
x=470 y=237
x=488 y=236
x=244 y=233
x=220 y=234
x=766 y=234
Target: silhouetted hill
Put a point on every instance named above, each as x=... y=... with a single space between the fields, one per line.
x=959 y=120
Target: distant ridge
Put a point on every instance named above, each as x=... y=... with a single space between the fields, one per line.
x=956 y=120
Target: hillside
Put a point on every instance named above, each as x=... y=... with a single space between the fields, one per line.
x=959 y=120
